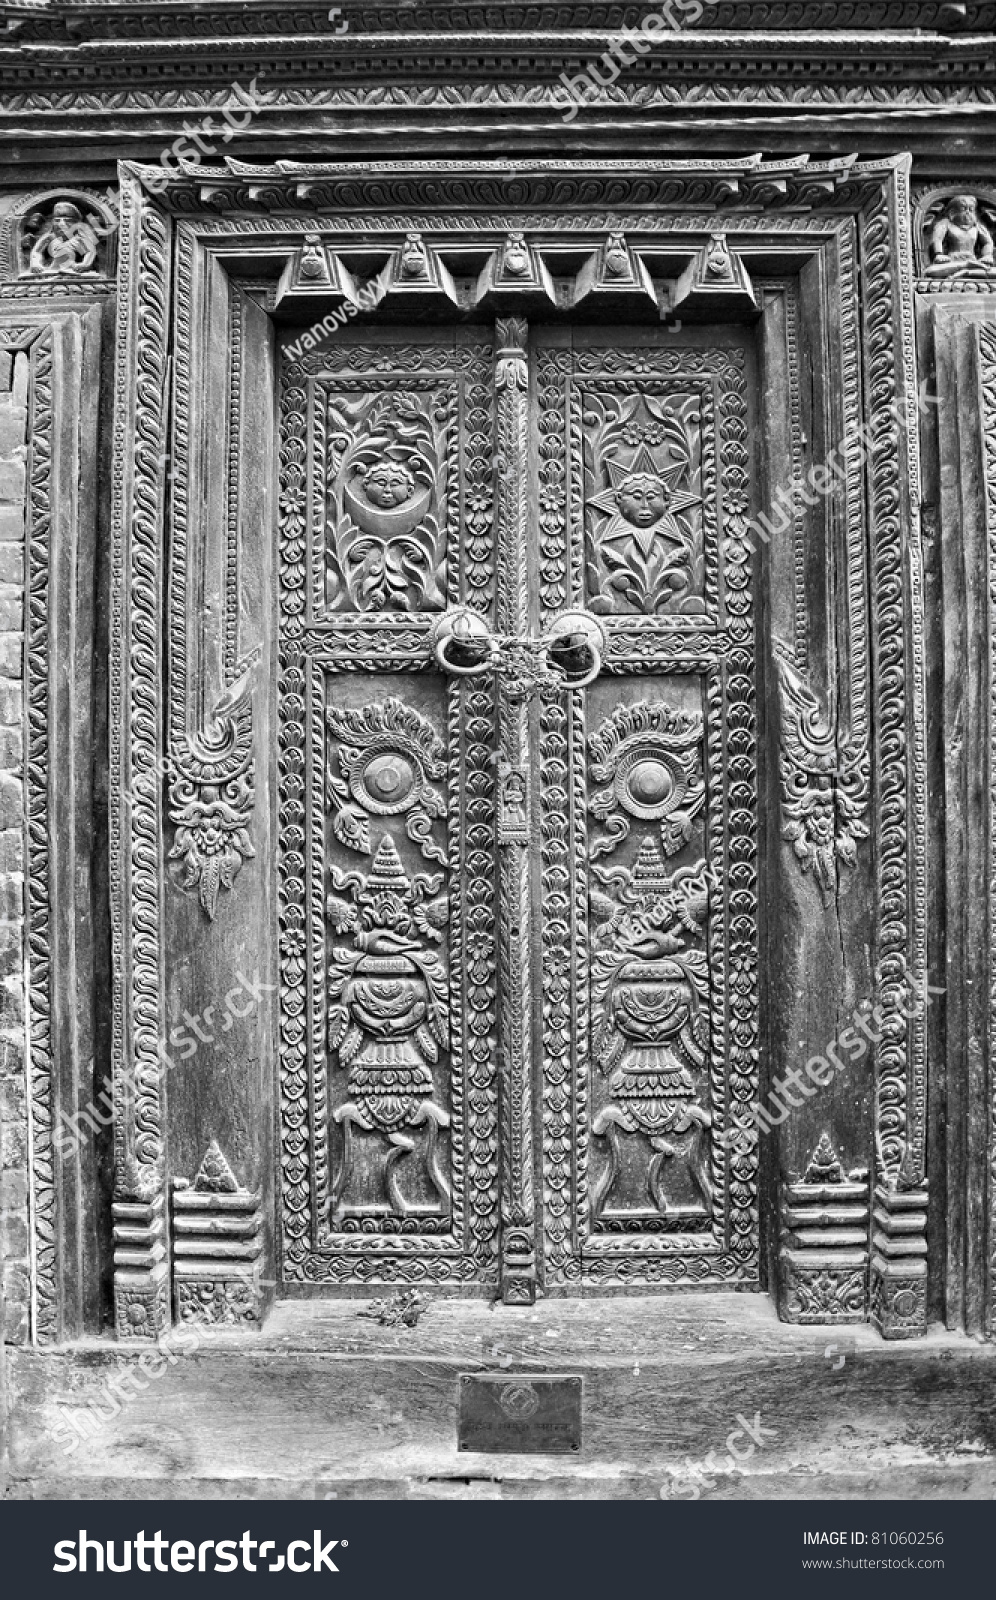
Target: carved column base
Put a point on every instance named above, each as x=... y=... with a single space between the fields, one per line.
x=899 y=1263
x=823 y=1258
x=141 y=1274
x=217 y=1245
x=518 y=1268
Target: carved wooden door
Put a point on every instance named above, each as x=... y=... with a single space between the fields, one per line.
x=647 y=814
x=518 y=989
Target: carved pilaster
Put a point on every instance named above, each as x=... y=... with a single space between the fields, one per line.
x=823 y=1258
x=899 y=1263
x=518 y=1264
x=217 y=1246
x=140 y=1269
x=900 y=764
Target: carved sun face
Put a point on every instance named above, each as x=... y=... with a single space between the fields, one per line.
x=641 y=501
x=388 y=484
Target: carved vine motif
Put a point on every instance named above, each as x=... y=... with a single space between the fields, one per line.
x=381 y=765
x=650 y=1016
x=822 y=799
x=642 y=488
x=649 y=755
x=386 y=499
x=211 y=798
x=389 y=1013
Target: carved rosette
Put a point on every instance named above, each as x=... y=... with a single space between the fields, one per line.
x=650 y=757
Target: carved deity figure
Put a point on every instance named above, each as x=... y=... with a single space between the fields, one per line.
x=63 y=242
x=961 y=245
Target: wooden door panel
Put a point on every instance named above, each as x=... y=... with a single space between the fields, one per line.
x=648 y=800
x=390 y=1158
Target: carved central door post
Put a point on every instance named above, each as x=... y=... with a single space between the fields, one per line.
x=515 y=966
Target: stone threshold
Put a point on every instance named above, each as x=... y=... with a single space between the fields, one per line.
x=323 y=1403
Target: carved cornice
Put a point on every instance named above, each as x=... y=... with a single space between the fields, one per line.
x=749 y=184
x=81 y=20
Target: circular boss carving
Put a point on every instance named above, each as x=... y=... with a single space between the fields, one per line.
x=649 y=783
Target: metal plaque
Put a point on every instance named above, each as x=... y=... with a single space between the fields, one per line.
x=513 y=1414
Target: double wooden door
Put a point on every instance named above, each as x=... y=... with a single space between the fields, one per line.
x=517 y=808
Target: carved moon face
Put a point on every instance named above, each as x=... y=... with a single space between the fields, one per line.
x=388 y=484
x=641 y=499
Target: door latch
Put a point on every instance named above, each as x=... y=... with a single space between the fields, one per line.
x=568 y=655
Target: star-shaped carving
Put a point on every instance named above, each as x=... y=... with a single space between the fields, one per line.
x=641 y=501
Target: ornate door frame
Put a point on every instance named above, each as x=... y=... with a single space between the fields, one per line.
x=199 y=273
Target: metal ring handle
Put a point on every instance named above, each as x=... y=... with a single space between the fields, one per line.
x=574 y=643
x=462 y=642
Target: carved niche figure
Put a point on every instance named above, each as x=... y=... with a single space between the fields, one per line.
x=961 y=246
x=62 y=242
x=644 y=551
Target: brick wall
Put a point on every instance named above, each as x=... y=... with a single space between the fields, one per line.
x=14 y=1227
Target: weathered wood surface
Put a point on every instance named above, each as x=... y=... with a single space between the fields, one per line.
x=326 y=1403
